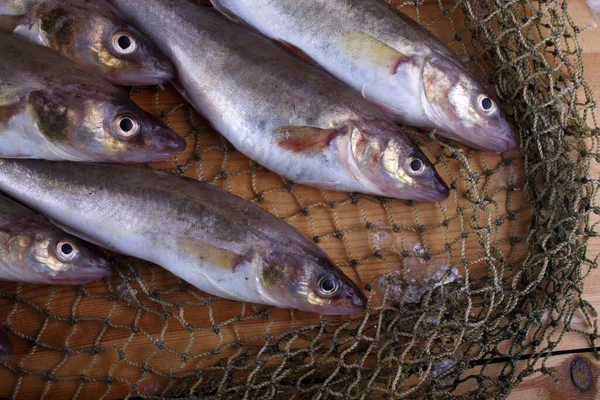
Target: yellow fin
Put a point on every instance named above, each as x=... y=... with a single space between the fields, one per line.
x=216 y=256
x=368 y=51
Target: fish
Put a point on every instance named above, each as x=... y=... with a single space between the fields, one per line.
x=218 y=242
x=292 y=118
x=387 y=57
x=51 y=108
x=33 y=250
x=92 y=34
x=6 y=345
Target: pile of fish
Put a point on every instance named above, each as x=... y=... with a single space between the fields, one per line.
x=313 y=91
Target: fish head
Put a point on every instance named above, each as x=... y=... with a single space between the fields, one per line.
x=385 y=160
x=96 y=36
x=306 y=279
x=97 y=127
x=51 y=256
x=460 y=106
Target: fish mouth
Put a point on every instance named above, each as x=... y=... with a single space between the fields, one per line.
x=157 y=74
x=160 y=144
x=93 y=270
x=90 y=273
x=506 y=143
x=353 y=301
x=492 y=143
x=495 y=137
x=166 y=146
x=437 y=191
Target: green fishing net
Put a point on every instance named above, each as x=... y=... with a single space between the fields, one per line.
x=467 y=297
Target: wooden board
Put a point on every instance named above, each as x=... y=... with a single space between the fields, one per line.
x=233 y=171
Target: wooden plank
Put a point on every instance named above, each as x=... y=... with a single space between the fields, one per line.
x=576 y=376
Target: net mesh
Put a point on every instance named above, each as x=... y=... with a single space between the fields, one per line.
x=467 y=297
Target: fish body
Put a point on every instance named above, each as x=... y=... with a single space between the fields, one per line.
x=90 y=33
x=290 y=117
x=218 y=242
x=50 y=108
x=34 y=250
x=390 y=59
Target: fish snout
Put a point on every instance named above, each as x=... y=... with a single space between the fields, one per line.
x=164 y=70
x=168 y=142
x=149 y=72
x=161 y=142
x=440 y=191
x=495 y=142
x=352 y=301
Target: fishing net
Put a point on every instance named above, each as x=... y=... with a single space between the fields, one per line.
x=467 y=297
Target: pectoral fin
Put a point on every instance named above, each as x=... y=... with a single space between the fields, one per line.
x=222 y=258
x=370 y=52
x=305 y=139
x=8 y=23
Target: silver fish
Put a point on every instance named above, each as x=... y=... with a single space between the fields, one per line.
x=50 y=108
x=222 y=244
x=90 y=33
x=389 y=58
x=35 y=251
x=290 y=117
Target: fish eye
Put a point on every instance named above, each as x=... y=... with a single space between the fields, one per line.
x=65 y=250
x=487 y=105
x=328 y=286
x=124 y=43
x=416 y=165
x=127 y=126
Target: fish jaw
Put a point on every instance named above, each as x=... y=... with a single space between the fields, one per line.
x=79 y=277
x=460 y=107
x=156 y=72
x=438 y=191
x=494 y=135
x=295 y=278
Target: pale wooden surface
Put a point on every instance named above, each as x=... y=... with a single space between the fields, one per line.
x=28 y=320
